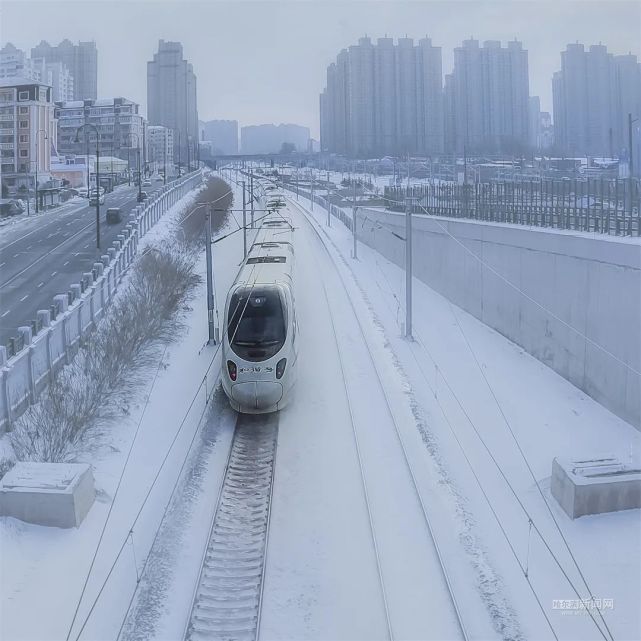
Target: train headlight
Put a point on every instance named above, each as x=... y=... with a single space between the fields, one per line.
x=280 y=367
x=231 y=368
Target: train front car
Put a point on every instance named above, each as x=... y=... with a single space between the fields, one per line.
x=259 y=344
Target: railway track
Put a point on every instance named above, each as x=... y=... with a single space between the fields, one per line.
x=349 y=393
x=228 y=594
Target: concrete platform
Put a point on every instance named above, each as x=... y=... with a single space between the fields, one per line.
x=53 y=494
x=595 y=486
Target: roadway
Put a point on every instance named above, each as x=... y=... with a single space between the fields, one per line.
x=44 y=257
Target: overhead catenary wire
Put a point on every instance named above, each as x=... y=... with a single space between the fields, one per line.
x=113 y=500
x=517 y=498
x=156 y=477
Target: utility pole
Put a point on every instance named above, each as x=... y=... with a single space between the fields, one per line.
x=210 y=283
x=244 y=223
x=296 y=183
x=408 y=268
x=329 y=206
x=630 y=145
x=312 y=183
x=251 y=189
x=97 y=192
x=354 y=238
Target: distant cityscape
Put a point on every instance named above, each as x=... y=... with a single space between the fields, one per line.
x=388 y=98
x=382 y=98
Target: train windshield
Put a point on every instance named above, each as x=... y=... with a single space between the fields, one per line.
x=257 y=323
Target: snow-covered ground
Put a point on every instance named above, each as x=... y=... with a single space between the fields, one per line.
x=340 y=566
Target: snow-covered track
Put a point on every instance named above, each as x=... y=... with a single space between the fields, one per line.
x=379 y=382
x=228 y=595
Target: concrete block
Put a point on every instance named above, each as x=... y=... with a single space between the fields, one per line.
x=595 y=486
x=44 y=316
x=3 y=355
x=112 y=253
x=53 y=494
x=105 y=259
x=26 y=334
x=99 y=267
x=76 y=290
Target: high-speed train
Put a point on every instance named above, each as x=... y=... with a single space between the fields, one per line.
x=260 y=334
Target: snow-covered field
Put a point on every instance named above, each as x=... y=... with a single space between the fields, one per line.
x=388 y=456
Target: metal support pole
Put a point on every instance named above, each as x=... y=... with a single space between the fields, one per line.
x=631 y=154
x=210 y=283
x=408 y=269
x=244 y=223
x=354 y=228
x=97 y=193
x=329 y=206
x=251 y=189
x=312 y=181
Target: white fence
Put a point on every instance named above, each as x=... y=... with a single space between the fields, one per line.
x=53 y=339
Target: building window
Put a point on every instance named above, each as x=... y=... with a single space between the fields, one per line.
x=24 y=110
x=24 y=138
x=23 y=95
x=24 y=124
x=24 y=153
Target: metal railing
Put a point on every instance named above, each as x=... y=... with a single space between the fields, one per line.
x=597 y=205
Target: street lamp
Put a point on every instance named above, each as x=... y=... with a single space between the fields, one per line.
x=132 y=133
x=38 y=159
x=88 y=124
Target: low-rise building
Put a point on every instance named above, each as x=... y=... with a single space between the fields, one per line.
x=161 y=146
x=118 y=121
x=27 y=133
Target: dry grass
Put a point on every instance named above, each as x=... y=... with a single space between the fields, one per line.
x=76 y=407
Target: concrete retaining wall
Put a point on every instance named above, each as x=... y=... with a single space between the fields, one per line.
x=533 y=286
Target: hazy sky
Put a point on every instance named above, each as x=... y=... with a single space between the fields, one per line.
x=265 y=61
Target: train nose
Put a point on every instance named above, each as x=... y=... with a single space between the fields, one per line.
x=257 y=395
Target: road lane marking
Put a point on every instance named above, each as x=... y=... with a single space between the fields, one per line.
x=24 y=298
x=3 y=315
x=65 y=263
x=76 y=253
x=41 y=284
x=30 y=246
x=1 y=264
x=16 y=255
x=53 y=273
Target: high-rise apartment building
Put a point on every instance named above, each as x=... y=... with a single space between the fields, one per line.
x=27 y=133
x=593 y=93
x=172 y=98
x=223 y=134
x=80 y=59
x=488 y=94
x=14 y=63
x=384 y=99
